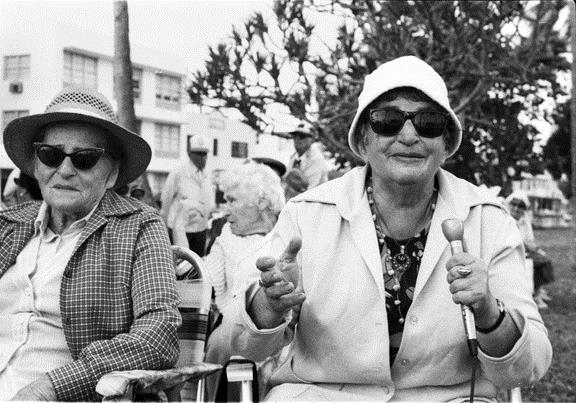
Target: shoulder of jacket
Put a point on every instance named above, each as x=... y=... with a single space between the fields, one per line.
x=25 y=212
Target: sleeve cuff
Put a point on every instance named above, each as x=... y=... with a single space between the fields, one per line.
x=248 y=297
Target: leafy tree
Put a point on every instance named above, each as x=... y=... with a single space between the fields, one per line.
x=499 y=59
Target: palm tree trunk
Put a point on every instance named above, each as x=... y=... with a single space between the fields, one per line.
x=123 y=91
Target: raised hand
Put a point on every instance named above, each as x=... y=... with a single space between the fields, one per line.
x=281 y=287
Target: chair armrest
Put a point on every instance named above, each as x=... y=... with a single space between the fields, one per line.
x=125 y=385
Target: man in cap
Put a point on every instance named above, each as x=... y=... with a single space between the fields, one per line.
x=87 y=281
x=188 y=199
x=308 y=159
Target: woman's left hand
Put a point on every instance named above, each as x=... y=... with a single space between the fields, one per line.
x=468 y=280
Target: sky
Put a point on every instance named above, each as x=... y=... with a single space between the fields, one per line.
x=181 y=28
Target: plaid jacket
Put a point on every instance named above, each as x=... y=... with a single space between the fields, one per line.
x=118 y=296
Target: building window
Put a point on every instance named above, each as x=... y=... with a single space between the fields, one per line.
x=80 y=70
x=239 y=149
x=8 y=116
x=16 y=67
x=167 y=141
x=168 y=91
x=137 y=84
x=215 y=147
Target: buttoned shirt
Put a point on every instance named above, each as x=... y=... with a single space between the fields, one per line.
x=187 y=198
x=312 y=164
x=32 y=340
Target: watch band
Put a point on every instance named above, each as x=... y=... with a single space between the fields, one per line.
x=502 y=310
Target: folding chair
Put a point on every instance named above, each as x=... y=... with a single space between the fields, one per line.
x=185 y=381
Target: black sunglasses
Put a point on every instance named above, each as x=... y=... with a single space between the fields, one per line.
x=518 y=204
x=388 y=122
x=82 y=159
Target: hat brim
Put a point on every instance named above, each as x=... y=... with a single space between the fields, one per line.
x=21 y=133
x=272 y=163
x=302 y=133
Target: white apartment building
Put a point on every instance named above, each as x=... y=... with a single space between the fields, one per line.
x=36 y=61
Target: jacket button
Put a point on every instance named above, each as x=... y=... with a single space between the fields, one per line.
x=66 y=320
x=404 y=362
x=68 y=273
x=413 y=319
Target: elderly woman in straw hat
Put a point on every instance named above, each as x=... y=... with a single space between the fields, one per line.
x=87 y=282
x=367 y=273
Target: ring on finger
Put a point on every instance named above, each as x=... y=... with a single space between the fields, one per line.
x=463 y=271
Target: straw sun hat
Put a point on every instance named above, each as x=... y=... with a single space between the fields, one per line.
x=75 y=104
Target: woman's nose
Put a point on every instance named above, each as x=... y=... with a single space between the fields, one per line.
x=408 y=134
x=66 y=168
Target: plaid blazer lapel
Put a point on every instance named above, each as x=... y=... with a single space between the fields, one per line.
x=110 y=205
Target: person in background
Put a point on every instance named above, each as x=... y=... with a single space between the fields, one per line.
x=307 y=158
x=30 y=187
x=543 y=271
x=188 y=199
x=20 y=188
x=364 y=269
x=218 y=223
x=254 y=199
x=294 y=183
x=87 y=282
x=218 y=193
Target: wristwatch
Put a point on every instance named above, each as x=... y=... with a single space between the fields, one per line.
x=502 y=310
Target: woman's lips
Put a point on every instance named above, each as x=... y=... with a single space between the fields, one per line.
x=408 y=157
x=62 y=187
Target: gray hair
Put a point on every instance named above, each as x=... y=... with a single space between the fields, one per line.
x=258 y=180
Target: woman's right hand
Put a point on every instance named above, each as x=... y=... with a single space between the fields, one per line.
x=281 y=288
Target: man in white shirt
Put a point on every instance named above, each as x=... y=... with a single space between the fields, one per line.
x=307 y=158
x=188 y=199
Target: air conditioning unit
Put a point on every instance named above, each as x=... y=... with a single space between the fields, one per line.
x=16 y=87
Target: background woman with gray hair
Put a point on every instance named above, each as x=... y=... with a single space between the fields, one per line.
x=254 y=198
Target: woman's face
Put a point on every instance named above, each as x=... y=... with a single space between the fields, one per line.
x=405 y=158
x=66 y=189
x=244 y=215
x=517 y=209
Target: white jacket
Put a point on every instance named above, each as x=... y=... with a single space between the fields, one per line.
x=341 y=349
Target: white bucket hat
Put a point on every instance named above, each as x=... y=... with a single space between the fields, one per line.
x=405 y=71
x=76 y=104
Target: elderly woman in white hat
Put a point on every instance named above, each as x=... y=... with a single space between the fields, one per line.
x=87 y=281
x=369 y=278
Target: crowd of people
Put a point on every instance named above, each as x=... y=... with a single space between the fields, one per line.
x=339 y=290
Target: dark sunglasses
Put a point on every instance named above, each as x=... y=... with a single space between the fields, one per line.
x=81 y=159
x=388 y=122
x=518 y=204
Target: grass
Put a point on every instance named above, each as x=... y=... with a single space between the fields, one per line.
x=559 y=383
